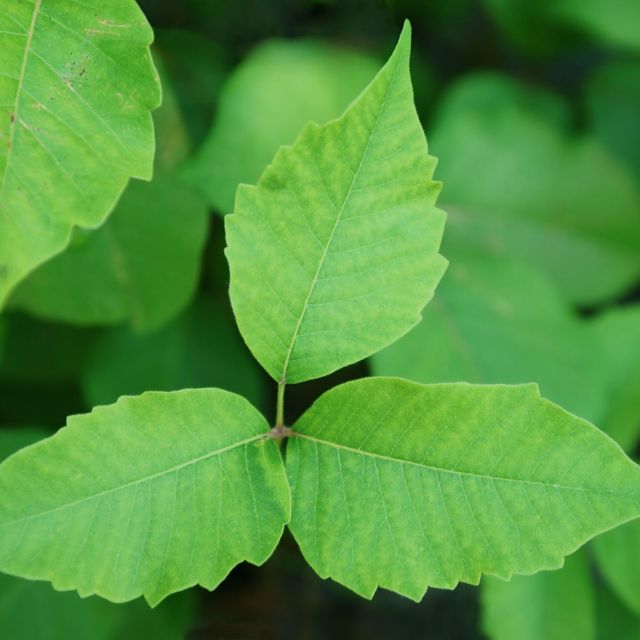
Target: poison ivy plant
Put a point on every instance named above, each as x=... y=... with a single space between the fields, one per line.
x=559 y=195
x=387 y=483
x=76 y=92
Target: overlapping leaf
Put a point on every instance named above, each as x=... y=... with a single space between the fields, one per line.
x=551 y=605
x=76 y=89
x=405 y=486
x=90 y=509
x=334 y=253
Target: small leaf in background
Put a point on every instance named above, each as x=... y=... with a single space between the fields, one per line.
x=201 y=348
x=613 y=102
x=90 y=509
x=616 y=335
x=406 y=486
x=494 y=320
x=516 y=184
x=35 y=611
x=334 y=253
x=141 y=267
x=618 y=556
x=615 y=23
x=550 y=605
x=76 y=92
x=264 y=104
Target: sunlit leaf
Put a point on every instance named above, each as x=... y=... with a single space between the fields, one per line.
x=406 y=486
x=334 y=253
x=91 y=509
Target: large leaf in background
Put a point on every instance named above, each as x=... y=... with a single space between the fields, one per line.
x=613 y=101
x=34 y=611
x=267 y=100
x=200 y=349
x=405 y=486
x=334 y=253
x=76 y=89
x=616 y=23
x=615 y=621
x=616 y=333
x=517 y=184
x=89 y=509
x=498 y=321
x=618 y=555
x=141 y=267
x=551 y=605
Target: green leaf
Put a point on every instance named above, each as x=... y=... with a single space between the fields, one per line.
x=617 y=336
x=91 y=509
x=13 y=439
x=494 y=320
x=76 y=89
x=34 y=611
x=618 y=555
x=200 y=349
x=613 y=103
x=290 y=83
x=614 y=23
x=406 y=486
x=335 y=252
x=140 y=267
x=517 y=181
x=614 y=619
x=551 y=605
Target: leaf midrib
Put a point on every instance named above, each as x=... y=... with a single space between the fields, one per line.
x=16 y=106
x=133 y=483
x=480 y=476
x=314 y=282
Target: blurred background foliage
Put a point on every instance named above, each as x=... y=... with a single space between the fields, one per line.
x=533 y=109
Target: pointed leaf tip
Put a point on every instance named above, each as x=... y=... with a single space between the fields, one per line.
x=335 y=252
